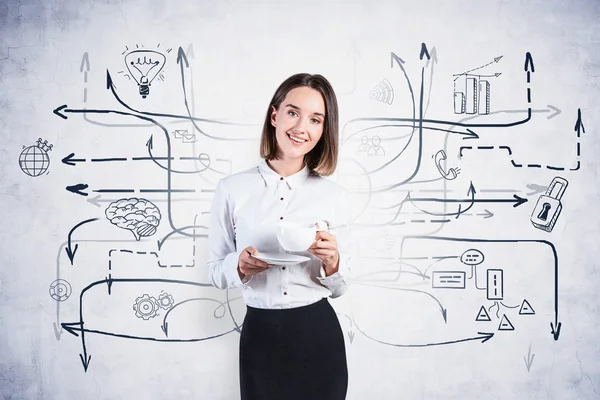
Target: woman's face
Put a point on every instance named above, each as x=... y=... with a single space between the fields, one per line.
x=299 y=122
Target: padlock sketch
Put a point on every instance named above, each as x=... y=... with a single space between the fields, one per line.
x=548 y=207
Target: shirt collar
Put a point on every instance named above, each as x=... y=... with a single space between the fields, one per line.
x=272 y=178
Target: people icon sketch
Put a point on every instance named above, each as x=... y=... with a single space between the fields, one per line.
x=376 y=149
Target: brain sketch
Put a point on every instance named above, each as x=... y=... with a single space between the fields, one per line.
x=139 y=216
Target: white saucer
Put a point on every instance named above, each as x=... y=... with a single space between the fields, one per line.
x=282 y=258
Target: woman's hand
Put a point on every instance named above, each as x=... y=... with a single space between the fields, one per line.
x=248 y=265
x=325 y=248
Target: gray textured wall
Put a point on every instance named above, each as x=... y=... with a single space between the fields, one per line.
x=94 y=328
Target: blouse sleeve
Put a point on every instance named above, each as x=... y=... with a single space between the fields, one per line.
x=337 y=283
x=223 y=254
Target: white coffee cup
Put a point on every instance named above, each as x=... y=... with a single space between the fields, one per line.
x=298 y=236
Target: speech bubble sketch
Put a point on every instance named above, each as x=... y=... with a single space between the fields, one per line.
x=140 y=216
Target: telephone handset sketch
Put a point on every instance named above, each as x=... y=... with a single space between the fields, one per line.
x=452 y=172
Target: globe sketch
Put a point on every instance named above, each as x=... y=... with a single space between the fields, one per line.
x=34 y=161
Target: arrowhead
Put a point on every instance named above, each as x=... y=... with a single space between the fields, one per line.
x=498 y=59
x=472 y=190
x=398 y=60
x=71 y=254
x=470 y=135
x=69 y=328
x=77 y=189
x=58 y=110
x=433 y=54
x=57 y=332
x=149 y=143
x=181 y=56
x=94 y=200
x=85 y=61
x=67 y=159
x=165 y=328
x=109 y=81
x=519 y=201
x=109 y=283
x=190 y=51
x=579 y=123
x=424 y=52
x=488 y=213
x=529 y=62
x=486 y=336
x=555 y=333
x=351 y=335
x=555 y=113
x=497 y=74
x=445 y=315
x=85 y=360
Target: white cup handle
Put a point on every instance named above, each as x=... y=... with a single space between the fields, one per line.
x=324 y=225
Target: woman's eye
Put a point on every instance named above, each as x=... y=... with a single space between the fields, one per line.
x=292 y=112
x=316 y=121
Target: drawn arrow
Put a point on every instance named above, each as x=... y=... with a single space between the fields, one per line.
x=424 y=52
x=58 y=110
x=496 y=59
x=518 y=200
x=351 y=335
x=165 y=324
x=529 y=62
x=78 y=189
x=85 y=360
x=555 y=113
x=69 y=160
x=483 y=336
x=57 y=331
x=85 y=62
x=398 y=60
x=71 y=252
x=529 y=359
x=579 y=124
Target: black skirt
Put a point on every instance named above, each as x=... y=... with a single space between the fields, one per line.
x=295 y=353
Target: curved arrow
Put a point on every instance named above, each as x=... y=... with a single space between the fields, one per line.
x=71 y=252
x=165 y=324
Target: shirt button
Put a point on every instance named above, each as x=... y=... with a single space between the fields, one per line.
x=285 y=293
x=281 y=198
x=280 y=217
x=282 y=267
x=281 y=178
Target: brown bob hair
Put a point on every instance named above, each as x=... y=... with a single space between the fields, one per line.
x=322 y=159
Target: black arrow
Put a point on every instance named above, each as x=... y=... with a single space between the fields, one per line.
x=579 y=124
x=71 y=252
x=517 y=200
x=181 y=56
x=58 y=110
x=69 y=160
x=424 y=52
x=109 y=81
x=78 y=189
x=483 y=336
x=85 y=359
x=529 y=63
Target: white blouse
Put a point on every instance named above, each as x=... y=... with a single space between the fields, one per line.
x=245 y=211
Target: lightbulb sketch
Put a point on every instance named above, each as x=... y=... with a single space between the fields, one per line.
x=144 y=66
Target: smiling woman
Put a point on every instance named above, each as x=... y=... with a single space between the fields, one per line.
x=291 y=344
